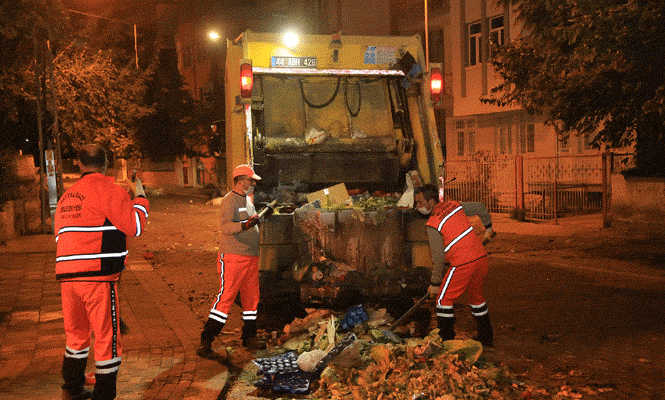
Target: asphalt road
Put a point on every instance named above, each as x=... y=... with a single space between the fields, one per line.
x=580 y=314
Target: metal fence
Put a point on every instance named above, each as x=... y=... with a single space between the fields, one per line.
x=490 y=180
x=563 y=185
x=539 y=187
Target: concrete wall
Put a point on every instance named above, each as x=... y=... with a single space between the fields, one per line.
x=638 y=198
x=22 y=215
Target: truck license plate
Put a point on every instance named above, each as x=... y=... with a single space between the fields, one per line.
x=293 y=62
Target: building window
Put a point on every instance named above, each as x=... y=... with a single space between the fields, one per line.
x=505 y=140
x=475 y=56
x=471 y=140
x=564 y=143
x=460 y=143
x=497 y=33
x=527 y=138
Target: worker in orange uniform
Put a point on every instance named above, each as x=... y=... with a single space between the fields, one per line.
x=92 y=220
x=451 y=238
x=237 y=263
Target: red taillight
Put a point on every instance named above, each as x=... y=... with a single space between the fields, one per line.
x=436 y=85
x=246 y=81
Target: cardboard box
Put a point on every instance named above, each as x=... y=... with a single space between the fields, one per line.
x=334 y=195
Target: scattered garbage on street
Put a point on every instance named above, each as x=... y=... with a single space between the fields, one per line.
x=319 y=357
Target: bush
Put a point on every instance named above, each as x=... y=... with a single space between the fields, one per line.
x=518 y=214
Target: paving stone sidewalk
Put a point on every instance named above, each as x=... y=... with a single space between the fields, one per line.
x=159 y=359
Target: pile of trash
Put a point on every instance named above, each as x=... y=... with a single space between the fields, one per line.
x=357 y=357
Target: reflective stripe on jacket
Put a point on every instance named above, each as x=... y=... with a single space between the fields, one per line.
x=461 y=245
x=92 y=220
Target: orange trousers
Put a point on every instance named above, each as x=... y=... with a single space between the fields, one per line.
x=237 y=274
x=468 y=277
x=92 y=306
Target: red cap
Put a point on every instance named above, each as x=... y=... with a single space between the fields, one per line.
x=245 y=169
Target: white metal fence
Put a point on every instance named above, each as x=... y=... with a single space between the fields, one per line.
x=490 y=180
x=541 y=187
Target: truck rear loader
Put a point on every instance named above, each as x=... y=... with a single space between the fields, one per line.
x=331 y=110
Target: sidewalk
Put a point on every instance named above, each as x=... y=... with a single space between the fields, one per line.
x=159 y=359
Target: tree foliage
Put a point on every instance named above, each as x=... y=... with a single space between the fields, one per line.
x=86 y=68
x=108 y=99
x=592 y=67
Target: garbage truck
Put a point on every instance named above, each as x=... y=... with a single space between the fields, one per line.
x=338 y=114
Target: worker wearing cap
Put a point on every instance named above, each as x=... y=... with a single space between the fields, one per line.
x=237 y=263
x=452 y=240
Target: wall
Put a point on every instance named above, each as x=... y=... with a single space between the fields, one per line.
x=22 y=215
x=638 y=198
x=170 y=176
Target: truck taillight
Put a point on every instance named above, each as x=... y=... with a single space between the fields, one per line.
x=436 y=85
x=246 y=80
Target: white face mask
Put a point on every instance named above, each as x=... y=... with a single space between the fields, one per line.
x=249 y=190
x=424 y=210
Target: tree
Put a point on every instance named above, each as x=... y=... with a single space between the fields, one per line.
x=88 y=73
x=172 y=130
x=108 y=99
x=592 y=67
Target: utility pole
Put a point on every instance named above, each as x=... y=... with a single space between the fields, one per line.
x=59 y=190
x=426 y=37
x=40 y=129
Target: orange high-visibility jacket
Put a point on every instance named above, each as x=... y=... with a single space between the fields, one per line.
x=91 y=223
x=461 y=245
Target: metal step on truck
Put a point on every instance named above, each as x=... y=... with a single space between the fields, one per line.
x=343 y=120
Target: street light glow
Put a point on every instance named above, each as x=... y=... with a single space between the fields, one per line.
x=290 y=39
x=213 y=35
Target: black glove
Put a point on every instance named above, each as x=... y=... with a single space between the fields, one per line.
x=253 y=220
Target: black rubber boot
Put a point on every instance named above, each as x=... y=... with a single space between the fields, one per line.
x=423 y=318
x=446 y=327
x=83 y=395
x=485 y=331
x=73 y=373
x=105 y=387
x=211 y=329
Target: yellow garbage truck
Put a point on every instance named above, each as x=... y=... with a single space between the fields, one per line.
x=323 y=110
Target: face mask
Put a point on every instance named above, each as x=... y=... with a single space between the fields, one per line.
x=424 y=210
x=249 y=190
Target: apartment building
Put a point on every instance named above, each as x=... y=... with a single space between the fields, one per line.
x=476 y=27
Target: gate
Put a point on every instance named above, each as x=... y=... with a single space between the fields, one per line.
x=563 y=185
x=544 y=188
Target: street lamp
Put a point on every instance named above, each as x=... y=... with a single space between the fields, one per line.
x=290 y=39
x=213 y=35
x=426 y=37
